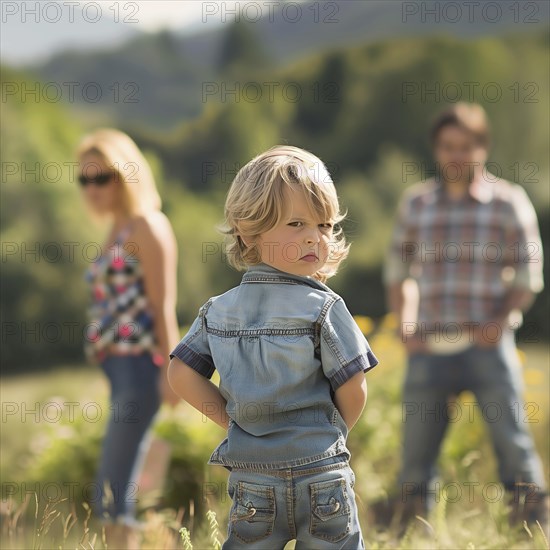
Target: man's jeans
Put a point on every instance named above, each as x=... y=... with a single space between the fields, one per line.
x=313 y=503
x=494 y=376
x=135 y=399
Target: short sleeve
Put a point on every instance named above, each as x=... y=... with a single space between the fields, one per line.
x=526 y=244
x=344 y=349
x=193 y=349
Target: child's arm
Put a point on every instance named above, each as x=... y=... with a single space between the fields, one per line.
x=198 y=391
x=350 y=398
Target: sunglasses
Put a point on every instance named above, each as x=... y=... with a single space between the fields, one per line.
x=100 y=179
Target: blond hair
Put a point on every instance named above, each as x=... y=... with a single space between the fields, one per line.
x=255 y=204
x=121 y=154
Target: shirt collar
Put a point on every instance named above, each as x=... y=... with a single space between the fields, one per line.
x=480 y=189
x=262 y=272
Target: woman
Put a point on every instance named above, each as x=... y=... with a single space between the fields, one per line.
x=132 y=314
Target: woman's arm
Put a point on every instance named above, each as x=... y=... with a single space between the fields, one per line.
x=158 y=254
x=198 y=391
x=350 y=398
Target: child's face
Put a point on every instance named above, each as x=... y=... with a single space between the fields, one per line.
x=300 y=243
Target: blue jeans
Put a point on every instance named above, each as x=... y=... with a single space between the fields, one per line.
x=313 y=503
x=494 y=376
x=135 y=400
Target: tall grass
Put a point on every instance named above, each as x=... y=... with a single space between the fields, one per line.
x=198 y=521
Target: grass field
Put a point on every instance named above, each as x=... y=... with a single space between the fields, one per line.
x=42 y=444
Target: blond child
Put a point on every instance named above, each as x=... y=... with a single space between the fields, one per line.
x=290 y=358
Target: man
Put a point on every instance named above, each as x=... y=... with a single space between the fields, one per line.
x=471 y=242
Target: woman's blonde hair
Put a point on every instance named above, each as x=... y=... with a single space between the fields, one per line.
x=255 y=204
x=123 y=156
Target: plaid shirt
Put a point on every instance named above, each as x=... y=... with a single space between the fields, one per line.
x=465 y=254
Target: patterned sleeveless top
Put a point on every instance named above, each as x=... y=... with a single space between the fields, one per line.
x=119 y=318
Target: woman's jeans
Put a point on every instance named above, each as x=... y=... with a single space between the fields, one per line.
x=135 y=399
x=494 y=376
x=312 y=503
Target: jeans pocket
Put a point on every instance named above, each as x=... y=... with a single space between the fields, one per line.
x=252 y=514
x=330 y=510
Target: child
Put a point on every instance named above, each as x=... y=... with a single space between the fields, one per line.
x=290 y=359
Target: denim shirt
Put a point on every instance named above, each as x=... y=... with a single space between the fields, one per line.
x=282 y=344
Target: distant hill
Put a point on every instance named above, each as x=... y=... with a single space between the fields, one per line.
x=328 y=24
x=28 y=38
x=157 y=80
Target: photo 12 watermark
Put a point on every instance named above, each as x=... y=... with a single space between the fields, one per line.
x=59 y=411
x=455 y=410
x=470 y=11
x=269 y=92
x=452 y=92
x=68 y=252
x=69 y=491
x=70 y=92
x=271 y=12
x=225 y=172
x=28 y=11
x=524 y=172
x=68 y=172
x=468 y=491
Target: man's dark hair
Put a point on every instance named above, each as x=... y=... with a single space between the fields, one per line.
x=468 y=116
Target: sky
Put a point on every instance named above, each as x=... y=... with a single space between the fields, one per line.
x=152 y=15
x=32 y=31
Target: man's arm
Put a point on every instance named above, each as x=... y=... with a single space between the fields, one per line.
x=401 y=291
x=524 y=248
x=402 y=299
x=396 y=299
x=350 y=399
x=198 y=391
x=517 y=299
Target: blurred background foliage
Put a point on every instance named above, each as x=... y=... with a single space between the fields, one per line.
x=352 y=113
